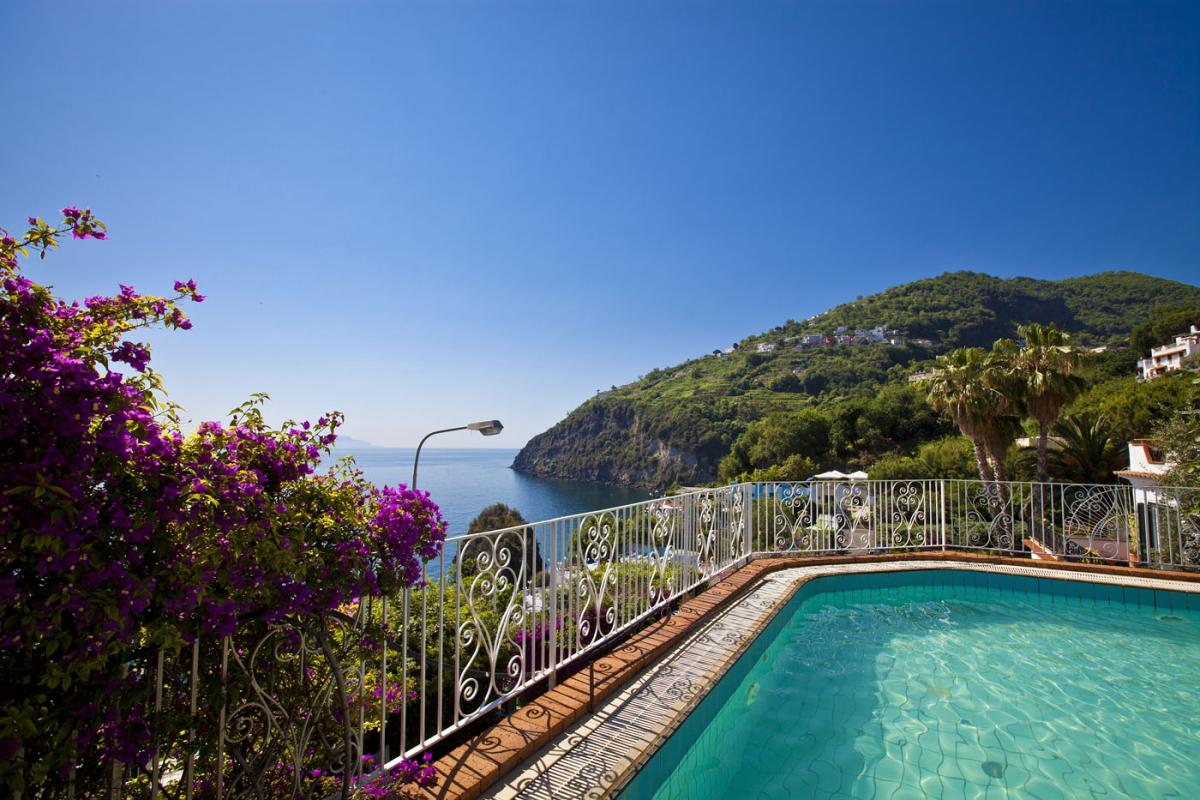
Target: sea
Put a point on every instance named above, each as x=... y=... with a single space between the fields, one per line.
x=464 y=481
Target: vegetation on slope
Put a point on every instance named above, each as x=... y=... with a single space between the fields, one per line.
x=704 y=419
x=965 y=309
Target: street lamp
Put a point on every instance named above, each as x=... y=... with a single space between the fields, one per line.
x=489 y=427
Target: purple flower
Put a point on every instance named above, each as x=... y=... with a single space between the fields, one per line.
x=154 y=531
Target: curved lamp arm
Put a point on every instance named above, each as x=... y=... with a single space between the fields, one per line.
x=417 y=457
x=489 y=427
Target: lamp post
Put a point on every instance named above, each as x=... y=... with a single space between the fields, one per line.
x=489 y=427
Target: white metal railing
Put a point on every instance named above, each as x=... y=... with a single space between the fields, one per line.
x=496 y=614
x=1155 y=528
x=503 y=612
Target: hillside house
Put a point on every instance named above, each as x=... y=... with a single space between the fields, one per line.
x=1169 y=357
x=1147 y=465
x=766 y=347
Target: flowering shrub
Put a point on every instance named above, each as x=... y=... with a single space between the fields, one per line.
x=265 y=536
x=120 y=535
x=410 y=770
x=319 y=783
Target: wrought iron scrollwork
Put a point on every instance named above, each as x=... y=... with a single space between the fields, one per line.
x=737 y=523
x=1095 y=522
x=793 y=517
x=989 y=516
x=491 y=659
x=597 y=614
x=707 y=539
x=291 y=715
x=908 y=513
x=853 y=514
x=664 y=519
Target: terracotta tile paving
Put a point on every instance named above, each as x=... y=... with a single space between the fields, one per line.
x=470 y=769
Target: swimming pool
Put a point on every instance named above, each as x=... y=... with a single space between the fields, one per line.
x=950 y=684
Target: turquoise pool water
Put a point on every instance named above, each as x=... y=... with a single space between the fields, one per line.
x=951 y=684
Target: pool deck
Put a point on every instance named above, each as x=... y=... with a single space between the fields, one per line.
x=554 y=747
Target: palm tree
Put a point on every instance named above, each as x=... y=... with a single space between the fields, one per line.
x=1005 y=405
x=963 y=386
x=952 y=389
x=1089 y=452
x=1040 y=376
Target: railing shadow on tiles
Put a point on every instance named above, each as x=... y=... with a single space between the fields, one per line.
x=313 y=707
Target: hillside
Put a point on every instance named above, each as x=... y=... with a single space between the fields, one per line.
x=969 y=308
x=674 y=425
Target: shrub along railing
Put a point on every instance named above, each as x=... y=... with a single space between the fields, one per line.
x=313 y=707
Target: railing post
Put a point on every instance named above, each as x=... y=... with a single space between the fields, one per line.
x=405 y=619
x=552 y=608
x=156 y=763
x=117 y=776
x=747 y=490
x=221 y=718
x=942 y=511
x=383 y=751
x=689 y=542
x=189 y=760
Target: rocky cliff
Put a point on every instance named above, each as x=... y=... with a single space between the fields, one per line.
x=606 y=441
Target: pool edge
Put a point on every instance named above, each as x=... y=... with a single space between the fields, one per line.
x=627 y=776
x=497 y=756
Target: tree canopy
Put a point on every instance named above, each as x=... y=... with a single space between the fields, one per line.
x=504 y=550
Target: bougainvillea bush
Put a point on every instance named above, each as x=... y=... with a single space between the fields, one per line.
x=123 y=536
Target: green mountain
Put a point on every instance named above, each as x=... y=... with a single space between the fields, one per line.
x=673 y=426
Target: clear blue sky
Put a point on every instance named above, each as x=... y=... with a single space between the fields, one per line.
x=425 y=214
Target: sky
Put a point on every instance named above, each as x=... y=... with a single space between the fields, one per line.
x=428 y=214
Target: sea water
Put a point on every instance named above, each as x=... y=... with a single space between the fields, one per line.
x=465 y=481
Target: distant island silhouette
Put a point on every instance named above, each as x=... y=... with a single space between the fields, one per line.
x=350 y=441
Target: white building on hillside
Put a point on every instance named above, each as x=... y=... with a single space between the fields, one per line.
x=766 y=347
x=1169 y=357
x=1146 y=468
